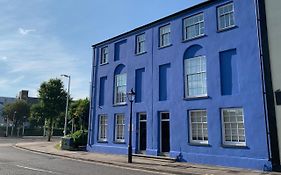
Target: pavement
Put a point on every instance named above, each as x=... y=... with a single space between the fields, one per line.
x=141 y=163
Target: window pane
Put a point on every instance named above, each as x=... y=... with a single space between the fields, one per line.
x=119 y=128
x=120 y=88
x=198 y=126
x=193 y=26
x=196 y=81
x=164 y=36
x=234 y=131
x=102 y=128
x=104 y=55
x=226 y=16
x=140 y=43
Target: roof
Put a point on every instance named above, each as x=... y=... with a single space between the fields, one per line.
x=200 y=5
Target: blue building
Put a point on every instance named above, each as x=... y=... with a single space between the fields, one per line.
x=200 y=90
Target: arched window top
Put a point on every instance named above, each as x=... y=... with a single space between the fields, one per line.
x=119 y=69
x=193 y=51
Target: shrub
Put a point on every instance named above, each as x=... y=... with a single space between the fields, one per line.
x=79 y=138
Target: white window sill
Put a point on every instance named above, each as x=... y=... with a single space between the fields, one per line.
x=194 y=38
x=227 y=28
x=234 y=145
x=102 y=64
x=162 y=47
x=120 y=104
x=195 y=143
x=140 y=53
x=196 y=97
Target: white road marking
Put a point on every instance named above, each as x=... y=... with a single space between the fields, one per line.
x=36 y=169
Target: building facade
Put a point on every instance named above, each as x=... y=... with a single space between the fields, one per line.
x=273 y=27
x=199 y=82
x=3 y=102
x=23 y=95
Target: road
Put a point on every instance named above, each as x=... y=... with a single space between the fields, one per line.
x=14 y=161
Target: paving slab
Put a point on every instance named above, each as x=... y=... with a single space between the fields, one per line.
x=165 y=166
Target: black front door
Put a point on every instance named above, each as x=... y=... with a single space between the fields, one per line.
x=165 y=132
x=142 y=131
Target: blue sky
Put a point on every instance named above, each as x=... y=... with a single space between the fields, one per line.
x=42 y=39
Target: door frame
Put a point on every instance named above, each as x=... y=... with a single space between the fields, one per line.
x=160 y=132
x=139 y=138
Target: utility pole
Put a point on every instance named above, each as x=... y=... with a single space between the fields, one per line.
x=7 y=126
x=13 y=123
x=66 y=107
x=23 y=125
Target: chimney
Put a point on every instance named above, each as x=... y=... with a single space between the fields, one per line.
x=23 y=95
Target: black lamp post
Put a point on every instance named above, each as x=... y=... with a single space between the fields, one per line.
x=131 y=98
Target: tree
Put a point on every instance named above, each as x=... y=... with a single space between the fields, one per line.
x=53 y=99
x=37 y=115
x=79 y=110
x=17 y=111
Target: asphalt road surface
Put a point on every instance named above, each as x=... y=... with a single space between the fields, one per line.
x=14 y=161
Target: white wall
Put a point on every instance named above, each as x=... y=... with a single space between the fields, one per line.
x=273 y=12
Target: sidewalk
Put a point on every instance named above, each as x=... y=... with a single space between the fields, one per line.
x=164 y=166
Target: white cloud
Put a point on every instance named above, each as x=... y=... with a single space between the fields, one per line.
x=4 y=58
x=25 y=31
x=28 y=61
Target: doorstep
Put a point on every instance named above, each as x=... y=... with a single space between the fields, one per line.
x=161 y=158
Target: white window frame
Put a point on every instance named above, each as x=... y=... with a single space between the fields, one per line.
x=233 y=143
x=165 y=31
x=140 y=43
x=202 y=123
x=104 y=55
x=117 y=98
x=191 y=24
x=227 y=15
x=119 y=135
x=103 y=123
x=202 y=72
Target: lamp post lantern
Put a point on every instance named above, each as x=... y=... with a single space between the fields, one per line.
x=131 y=98
x=67 y=101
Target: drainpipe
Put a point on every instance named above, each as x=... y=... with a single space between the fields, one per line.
x=92 y=101
x=269 y=105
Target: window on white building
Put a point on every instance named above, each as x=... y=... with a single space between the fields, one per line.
x=119 y=128
x=104 y=55
x=195 y=77
x=233 y=127
x=225 y=16
x=140 y=43
x=102 y=128
x=164 y=36
x=193 y=26
x=198 y=126
x=120 y=88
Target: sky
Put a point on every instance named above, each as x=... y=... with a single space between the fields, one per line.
x=42 y=39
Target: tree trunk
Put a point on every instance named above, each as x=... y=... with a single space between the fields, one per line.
x=50 y=129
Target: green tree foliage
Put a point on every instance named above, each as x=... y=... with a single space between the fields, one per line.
x=37 y=115
x=79 y=110
x=17 y=111
x=53 y=99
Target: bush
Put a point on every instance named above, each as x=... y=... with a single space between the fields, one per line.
x=79 y=138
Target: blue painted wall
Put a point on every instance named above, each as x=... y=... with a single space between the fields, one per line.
x=233 y=80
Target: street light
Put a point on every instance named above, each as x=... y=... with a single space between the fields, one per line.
x=24 y=117
x=12 y=131
x=131 y=98
x=67 y=100
x=7 y=125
